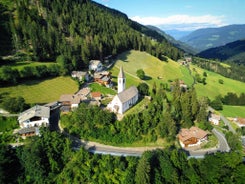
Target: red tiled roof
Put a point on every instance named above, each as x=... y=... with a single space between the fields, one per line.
x=95 y=94
x=241 y=121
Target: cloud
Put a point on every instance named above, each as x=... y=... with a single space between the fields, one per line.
x=190 y=22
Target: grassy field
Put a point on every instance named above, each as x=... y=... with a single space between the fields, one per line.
x=233 y=111
x=22 y=64
x=161 y=72
x=140 y=106
x=42 y=91
x=95 y=87
x=155 y=70
x=213 y=88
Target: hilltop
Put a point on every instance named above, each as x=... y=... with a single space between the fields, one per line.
x=203 y=39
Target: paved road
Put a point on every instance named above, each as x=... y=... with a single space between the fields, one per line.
x=224 y=120
x=222 y=146
x=95 y=147
x=228 y=124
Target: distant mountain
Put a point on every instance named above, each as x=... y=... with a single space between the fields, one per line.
x=204 y=39
x=234 y=52
x=177 y=34
x=176 y=43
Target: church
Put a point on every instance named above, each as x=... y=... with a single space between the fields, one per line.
x=125 y=98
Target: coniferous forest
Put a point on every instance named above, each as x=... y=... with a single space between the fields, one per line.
x=50 y=159
x=70 y=33
x=80 y=30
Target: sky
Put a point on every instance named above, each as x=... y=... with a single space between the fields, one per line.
x=184 y=15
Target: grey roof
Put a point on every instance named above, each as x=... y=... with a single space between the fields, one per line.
x=94 y=62
x=73 y=99
x=28 y=130
x=127 y=94
x=121 y=73
x=38 y=111
x=66 y=97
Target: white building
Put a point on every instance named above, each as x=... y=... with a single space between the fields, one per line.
x=80 y=75
x=214 y=118
x=95 y=65
x=34 y=117
x=125 y=99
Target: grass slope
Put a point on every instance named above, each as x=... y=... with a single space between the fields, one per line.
x=153 y=68
x=213 y=88
x=42 y=91
x=233 y=111
x=22 y=64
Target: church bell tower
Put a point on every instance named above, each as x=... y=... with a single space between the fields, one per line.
x=121 y=81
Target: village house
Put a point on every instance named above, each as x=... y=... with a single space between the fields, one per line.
x=103 y=78
x=69 y=101
x=95 y=65
x=182 y=85
x=125 y=98
x=214 y=118
x=28 y=132
x=80 y=75
x=240 y=122
x=188 y=59
x=34 y=117
x=192 y=137
x=96 y=95
x=83 y=93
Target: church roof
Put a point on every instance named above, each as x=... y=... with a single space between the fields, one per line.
x=127 y=94
x=121 y=73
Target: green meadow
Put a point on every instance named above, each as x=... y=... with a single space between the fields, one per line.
x=213 y=88
x=21 y=64
x=42 y=91
x=163 y=72
x=155 y=70
x=233 y=111
x=95 y=87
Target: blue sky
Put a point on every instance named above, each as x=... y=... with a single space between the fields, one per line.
x=181 y=14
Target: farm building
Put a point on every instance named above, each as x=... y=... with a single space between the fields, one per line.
x=192 y=137
x=34 y=117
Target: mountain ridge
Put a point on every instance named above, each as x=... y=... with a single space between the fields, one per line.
x=176 y=43
x=206 y=38
x=233 y=52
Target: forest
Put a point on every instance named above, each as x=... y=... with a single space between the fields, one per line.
x=51 y=159
x=79 y=30
x=69 y=33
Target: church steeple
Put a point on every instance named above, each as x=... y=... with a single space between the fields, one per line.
x=121 y=81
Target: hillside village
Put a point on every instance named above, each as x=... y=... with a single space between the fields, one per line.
x=38 y=116
x=92 y=94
